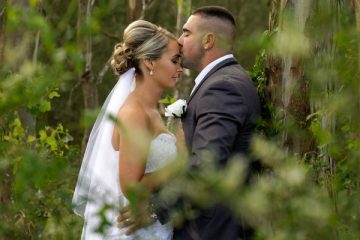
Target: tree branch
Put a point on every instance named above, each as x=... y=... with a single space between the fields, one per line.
x=103 y=71
x=111 y=36
x=2 y=12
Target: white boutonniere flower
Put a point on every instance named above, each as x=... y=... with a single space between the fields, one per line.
x=177 y=109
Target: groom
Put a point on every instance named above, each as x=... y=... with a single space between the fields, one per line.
x=220 y=117
x=221 y=113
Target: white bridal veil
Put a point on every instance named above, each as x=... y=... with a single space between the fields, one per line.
x=98 y=182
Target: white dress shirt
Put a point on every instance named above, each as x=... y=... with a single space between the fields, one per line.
x=208 y=68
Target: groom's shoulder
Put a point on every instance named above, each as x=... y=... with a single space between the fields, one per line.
x=231 y=80
x=233 y=73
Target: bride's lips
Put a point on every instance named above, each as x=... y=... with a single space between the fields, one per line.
x=176 y=78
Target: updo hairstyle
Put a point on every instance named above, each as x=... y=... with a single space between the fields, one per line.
x=142 y=40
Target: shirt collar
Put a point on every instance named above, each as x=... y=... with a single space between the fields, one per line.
x=210 y=66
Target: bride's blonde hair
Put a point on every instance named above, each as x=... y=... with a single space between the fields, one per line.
x=142 y=40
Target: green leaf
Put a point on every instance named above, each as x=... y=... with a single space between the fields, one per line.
x=31 y=139
x=43 y=135
x=45 y=106
x=33 y=3
x=53 y=94
x=167 y=100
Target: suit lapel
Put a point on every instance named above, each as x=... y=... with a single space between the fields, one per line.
x=226 y=62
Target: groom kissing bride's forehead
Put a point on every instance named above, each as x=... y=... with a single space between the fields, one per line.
x=221 y=114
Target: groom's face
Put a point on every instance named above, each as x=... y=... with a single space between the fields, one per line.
x=190 y=40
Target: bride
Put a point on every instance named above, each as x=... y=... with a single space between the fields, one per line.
x=118 y=158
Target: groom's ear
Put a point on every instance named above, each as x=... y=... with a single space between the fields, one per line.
x=208 y=40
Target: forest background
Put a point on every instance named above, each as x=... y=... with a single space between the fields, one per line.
x=303 y=56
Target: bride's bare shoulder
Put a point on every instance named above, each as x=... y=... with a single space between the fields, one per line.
x=131 y=116
x=132 y=112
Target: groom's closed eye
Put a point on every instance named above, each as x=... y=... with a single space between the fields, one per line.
x=186 y=33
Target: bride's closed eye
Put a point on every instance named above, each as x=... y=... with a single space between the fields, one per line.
x=176 y=60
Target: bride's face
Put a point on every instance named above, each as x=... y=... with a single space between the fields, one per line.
x=167 y=69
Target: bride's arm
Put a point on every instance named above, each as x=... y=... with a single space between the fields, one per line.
x=134 y=141
x=155 y=180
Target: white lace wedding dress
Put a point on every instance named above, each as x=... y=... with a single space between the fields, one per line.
x=97 y=196
x=162 y=151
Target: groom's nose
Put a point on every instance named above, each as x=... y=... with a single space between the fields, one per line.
x=180 y=40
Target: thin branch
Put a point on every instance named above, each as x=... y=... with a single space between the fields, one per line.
x=146 y=5
x=3 y=34
x=2 y=12
x=69 y=102
x=36 y=49
x=111 y=36
x=103 y=71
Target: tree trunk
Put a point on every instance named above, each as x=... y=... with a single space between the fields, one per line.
x=27 y=119
x=137 y=9
x=357 y=15
x=274 y=69
x=298 y=105
x=87 y=81
x=6 y=173
x=134 y=10
x=287 y=86
x=183 y=86
x=274 y=66
x=10 y=40
x=327 y=48
x=2 y=31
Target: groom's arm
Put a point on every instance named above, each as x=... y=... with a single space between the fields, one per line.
x=221 y=112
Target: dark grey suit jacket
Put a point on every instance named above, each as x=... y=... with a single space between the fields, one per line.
x=221 y=113
x=220 y=116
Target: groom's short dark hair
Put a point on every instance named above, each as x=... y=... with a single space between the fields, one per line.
x=216 y=11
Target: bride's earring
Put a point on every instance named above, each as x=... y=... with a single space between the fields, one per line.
x=151 y=72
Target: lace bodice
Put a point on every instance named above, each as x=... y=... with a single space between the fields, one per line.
x=162 y=151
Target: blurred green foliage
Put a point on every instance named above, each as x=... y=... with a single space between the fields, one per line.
x=41 y=185
x=310 y=196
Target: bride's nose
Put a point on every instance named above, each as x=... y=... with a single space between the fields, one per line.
x=180 y=69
